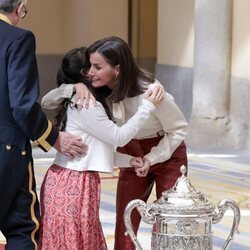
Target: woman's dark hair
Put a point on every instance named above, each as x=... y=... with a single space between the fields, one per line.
x=117 y=52
x=74 y=67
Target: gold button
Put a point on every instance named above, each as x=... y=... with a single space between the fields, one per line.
x=8 y=147
x=23 y=152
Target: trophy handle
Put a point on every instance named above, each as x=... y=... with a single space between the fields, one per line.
x=146 y=216
x=222 y=207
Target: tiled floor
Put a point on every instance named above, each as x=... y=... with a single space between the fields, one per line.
x=218 y=176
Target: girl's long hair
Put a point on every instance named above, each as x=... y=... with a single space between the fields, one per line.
x=75 y=65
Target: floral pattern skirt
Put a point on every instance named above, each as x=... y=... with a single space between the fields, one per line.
x=70 y=202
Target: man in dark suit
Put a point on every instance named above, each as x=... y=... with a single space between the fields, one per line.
x=22 y=120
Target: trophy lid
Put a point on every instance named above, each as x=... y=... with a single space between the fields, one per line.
x=183 y=199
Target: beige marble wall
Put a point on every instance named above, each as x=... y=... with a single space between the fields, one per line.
x=60 y=25
x=175 y=32
x=85 y=21
x=45 y=20
x=241 y=39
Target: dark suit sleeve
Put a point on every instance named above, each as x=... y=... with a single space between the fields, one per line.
x=23 y=85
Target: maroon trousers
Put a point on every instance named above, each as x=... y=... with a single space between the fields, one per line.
x=130 y=186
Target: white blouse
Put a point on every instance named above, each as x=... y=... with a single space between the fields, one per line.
x=102 y=136
x=167 y=117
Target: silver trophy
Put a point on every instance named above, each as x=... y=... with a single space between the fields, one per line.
x=182 y=218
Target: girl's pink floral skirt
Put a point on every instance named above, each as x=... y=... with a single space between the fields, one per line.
x=70 y=202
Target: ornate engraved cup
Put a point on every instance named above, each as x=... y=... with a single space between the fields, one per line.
x=182 y=218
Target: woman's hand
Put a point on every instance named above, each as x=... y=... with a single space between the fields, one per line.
x=143 y=170
x=155 y=95
x=136 y=162
x=83 y=95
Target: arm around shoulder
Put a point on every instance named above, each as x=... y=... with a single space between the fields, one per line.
x=54 y=97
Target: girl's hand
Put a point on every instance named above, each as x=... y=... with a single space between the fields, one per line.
x=155 y=95
x=143 y=171
x=83 y=95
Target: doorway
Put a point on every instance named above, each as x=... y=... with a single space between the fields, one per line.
x=142 y=32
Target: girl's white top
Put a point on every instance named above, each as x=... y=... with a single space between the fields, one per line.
x=102 y=136
x=167 y=118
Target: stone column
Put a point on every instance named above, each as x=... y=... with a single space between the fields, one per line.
x=212 y=72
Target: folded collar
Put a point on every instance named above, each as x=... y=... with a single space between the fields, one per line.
x=5 y=18
x=119 y=111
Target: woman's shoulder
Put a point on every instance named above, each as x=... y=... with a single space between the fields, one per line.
x=145 y=84
x=154 y=84
x=167 y=95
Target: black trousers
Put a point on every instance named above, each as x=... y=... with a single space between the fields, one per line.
x=19 y=207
